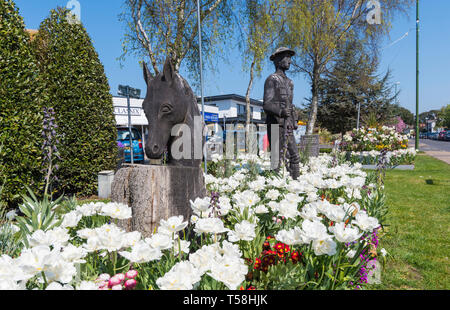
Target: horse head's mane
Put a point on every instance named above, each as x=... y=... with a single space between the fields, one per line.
x=188 y=91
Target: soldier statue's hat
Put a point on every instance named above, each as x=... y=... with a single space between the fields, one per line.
x=282 y=50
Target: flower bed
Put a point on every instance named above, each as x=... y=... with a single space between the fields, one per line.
x=394 y=158
x=257 y=230
x=370 y=146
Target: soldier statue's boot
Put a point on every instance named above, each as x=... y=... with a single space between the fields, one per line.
x=294 y=170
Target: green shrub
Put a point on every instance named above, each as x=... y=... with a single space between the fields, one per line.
x=21 y=98
x=326 y=150
x=79 y=94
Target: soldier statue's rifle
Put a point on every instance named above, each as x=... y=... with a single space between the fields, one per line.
x=287 y=130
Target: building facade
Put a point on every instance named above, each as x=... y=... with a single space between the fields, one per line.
x=233 y=114
x=220 y=111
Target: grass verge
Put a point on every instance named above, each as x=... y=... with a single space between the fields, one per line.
x=417 y=236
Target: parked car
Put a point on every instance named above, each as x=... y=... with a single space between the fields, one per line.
x=434 y=136
x=123 y=136
x=441 y=135
x=447 y=136
x=423 y=135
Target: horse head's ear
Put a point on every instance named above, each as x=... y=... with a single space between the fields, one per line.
x=148 y=77
x=169 y=70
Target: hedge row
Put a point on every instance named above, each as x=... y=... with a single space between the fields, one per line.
x=20 y=107
x=59 y=69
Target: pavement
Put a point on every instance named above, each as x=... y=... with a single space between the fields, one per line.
x=435 y=148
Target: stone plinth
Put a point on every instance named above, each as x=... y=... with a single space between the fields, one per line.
x=105 y=179
x=309 y=145
x=155 y=193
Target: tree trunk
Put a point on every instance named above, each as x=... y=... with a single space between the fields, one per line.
x=155 y=193
x=248 y=108
x=315 y=100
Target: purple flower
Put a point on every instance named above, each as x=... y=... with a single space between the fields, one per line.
x=50 y=142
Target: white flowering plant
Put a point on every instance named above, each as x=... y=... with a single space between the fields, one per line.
x=257 y=229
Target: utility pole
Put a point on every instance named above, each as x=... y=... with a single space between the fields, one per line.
x=129 y=92
x=129 y=126
x=417 y=74
x=205 y=154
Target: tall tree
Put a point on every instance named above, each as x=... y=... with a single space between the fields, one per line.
x=317 y=28
x=157 y=28
x=80 y=96
x=21 y=97
x=353 y=83
x=406 y=115
x=444 y=115
x=345 y=87
x=261 y=24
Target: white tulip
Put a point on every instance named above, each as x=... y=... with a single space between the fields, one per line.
x=210 y=226
x=242 y=231
x=160 y=241
x=346 y=234
x=142 y=252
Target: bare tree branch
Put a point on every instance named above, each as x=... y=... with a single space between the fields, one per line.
x=141 y=34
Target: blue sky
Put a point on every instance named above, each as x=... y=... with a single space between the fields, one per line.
x=100 y=18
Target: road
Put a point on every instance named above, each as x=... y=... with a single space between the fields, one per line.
x=435 y=148
x=434 y=145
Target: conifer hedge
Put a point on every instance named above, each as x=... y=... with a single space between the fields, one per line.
x=21 y=97
x=78 y=91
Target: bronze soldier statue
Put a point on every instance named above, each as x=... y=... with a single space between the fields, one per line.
x=278 y=95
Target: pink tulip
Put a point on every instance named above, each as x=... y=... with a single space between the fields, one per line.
x=114 y=281
x=117 y=287
x=130 y=284
x=131 y=274
x=120 y=276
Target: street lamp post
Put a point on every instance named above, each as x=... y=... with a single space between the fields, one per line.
x=359 y=115
x=396 y=91
x=417 y=74
x=134 y=93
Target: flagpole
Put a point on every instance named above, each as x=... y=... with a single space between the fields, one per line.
x=201 y=77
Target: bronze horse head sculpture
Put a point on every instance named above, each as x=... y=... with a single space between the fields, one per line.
x=170 y=103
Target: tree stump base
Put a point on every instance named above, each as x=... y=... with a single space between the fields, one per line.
x=155 y=193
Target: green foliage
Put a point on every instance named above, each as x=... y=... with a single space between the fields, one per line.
x=326 y=150
x=9 y=244
x=431 y=115
x=79 y=93
x=444 y=114
x=38 y=215
x=316 y=29
x=375 y=204
x=417 y=235
x=354 y=81
x=156 y=29
x=405 y=114
x=21 y=98
x=264 y=21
